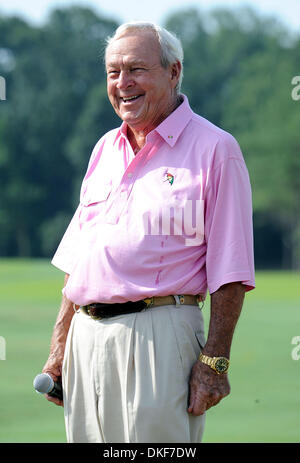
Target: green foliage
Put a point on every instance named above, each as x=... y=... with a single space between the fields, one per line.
x=49 y=84
x=238 y=69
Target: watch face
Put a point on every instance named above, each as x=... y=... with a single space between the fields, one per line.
x=222 y=365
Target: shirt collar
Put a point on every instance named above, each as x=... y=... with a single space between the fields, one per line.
x=172 y=127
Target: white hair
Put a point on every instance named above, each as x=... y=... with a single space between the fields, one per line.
x=170 y=45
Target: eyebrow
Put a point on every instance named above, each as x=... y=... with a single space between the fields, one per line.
x=128 y=63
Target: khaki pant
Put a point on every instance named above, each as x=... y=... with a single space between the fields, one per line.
x=125 y=378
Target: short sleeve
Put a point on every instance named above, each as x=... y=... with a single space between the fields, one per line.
x=65 y=255
x=228 y=225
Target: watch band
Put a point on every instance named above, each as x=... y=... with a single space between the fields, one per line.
x=206 y=359
x=219 y=364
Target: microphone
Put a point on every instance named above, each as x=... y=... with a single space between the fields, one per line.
x=44 y=384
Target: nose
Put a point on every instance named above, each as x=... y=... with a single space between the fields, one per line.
x=124 y=80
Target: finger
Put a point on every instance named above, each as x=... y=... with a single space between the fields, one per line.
x=197 y=403
x=55 y=400
x=191 y=399
x=190 y=408
x=199 y=408
x=53 y=372
x=202 y=406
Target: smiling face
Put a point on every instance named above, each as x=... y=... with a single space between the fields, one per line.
x=141 y=91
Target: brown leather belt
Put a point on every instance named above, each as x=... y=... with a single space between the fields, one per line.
x=100 y=310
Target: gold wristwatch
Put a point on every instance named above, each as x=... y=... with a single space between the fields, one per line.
x=219 y=364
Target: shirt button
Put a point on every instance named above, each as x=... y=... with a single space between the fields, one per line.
x=130 y=174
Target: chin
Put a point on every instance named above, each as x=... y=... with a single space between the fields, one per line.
x=131 y=119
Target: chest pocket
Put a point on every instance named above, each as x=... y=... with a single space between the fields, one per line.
x=94 y=194
x=93 y=200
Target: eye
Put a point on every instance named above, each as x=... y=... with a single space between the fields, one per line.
x=112 y=72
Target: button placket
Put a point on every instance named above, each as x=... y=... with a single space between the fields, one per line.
x=122 y=193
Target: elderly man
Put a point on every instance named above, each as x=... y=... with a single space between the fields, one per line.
x=164 y=217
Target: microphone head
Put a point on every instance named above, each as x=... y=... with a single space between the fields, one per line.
x=43 y=383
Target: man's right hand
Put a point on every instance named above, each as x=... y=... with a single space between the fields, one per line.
x=53 y=367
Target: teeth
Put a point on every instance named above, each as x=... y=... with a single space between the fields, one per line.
x=130 y=98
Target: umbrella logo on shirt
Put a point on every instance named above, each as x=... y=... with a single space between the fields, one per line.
x=170 y=178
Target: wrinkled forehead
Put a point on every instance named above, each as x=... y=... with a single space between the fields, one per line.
x=137 y=46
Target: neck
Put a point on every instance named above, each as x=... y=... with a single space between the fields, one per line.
x=137 y=139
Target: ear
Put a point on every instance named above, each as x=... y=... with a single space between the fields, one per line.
x=175 y=73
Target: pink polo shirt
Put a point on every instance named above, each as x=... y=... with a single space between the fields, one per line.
x=174 y=219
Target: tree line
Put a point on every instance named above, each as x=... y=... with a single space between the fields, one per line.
x=240 y=72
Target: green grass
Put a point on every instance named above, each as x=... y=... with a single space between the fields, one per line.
x=30 y=297
x=264 y=402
